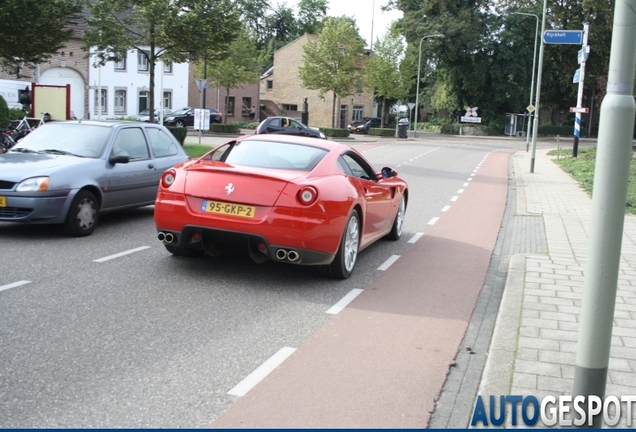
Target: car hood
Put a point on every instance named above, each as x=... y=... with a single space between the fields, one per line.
x=18 y=166
x=222 y=182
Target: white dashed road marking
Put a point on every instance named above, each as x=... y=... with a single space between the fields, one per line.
x=445 y=208
x=389 y=262
x=121 y=254
x=416 y=237
x=344 y=301
x=261 y=372
x=454 y=198
x=432 y=221
x=14 y=285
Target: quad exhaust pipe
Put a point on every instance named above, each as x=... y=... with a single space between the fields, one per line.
x=165 y=237
x=291 y=255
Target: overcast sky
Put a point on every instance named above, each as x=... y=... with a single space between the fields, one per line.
x=364 y=12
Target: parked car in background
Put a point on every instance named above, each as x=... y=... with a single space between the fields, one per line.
x=289 y=199
x=287 y=126
x=365 y=125
x=69 y=172
x=144 y=115
x=185 y=117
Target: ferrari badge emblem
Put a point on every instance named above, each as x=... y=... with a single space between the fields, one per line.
x=229 y=188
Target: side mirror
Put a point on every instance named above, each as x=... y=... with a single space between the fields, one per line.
x=121 y=158
x=388 y=172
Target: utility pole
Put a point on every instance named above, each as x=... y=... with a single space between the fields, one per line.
x=614 y=154
x=579 y=99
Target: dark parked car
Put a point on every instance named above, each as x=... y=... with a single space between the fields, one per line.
x=185 y=117
x=145 y=115
x=287 y=126
x=365 y=125
x=68 y=172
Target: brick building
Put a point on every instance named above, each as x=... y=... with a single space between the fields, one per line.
x=281 y=92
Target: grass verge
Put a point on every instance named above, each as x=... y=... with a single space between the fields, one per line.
x=196 y=150
x=582 y=170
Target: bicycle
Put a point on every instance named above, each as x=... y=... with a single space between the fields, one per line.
x=6 y=140
x=21 y=128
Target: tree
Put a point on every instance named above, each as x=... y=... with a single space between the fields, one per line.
x=332 y=63
x=238 y=67
x=382 y=73
x=33 y=30
x=311 y=15
x=168 y=30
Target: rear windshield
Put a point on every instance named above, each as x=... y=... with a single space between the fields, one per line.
x=266 y=154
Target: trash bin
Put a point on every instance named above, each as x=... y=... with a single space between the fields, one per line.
x=403 y=128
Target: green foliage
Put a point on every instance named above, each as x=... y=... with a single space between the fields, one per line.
x=226 y=128
x=33 y=30
x=334 y=132
x=179 y=133
x=331 y=63
x=450 y=129
x=168 y=30
x=4 y=113
x=553 y=130
x=246 y=124
x=15 y=113
x=385 y=132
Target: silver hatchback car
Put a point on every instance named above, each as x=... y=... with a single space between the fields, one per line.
x=71 y=171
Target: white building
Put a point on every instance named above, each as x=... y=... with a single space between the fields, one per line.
x=125 y=86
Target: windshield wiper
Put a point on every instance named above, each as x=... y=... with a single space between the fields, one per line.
x=60 y=152
x=22 y=150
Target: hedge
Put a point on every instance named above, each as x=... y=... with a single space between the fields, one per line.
x=4 y=113
x=337 y=133
x=231 y=128
x=385 y=132
x=179 y=133
x=556 y=130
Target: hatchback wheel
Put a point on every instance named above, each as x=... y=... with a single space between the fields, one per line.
x=179 y=123
x=83 y=215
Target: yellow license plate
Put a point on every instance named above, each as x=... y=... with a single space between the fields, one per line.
x=3 y=201
x=224 y=208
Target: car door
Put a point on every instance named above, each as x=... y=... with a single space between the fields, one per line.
x=135 y=182
x=376 y=195
x=165 y=150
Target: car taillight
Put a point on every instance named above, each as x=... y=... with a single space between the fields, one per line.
x=307 y=195
x=168 y=178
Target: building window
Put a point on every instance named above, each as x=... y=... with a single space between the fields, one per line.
x=288 y=107
x=100 y=103
x=167 y=99
x=120 y=102
x=143 y=100
x=121 y=65
x=230 y=105
x=247 y=104
x=358 y=110
x=167 y=67
x=270 y=84
x=142 y=61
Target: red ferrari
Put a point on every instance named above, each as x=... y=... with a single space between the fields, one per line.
x=290 y=199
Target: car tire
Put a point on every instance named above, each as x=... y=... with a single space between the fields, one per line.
x=83 y=215
x=398 y=223
x=345 y=260
x=179 y=123
x=187 y=252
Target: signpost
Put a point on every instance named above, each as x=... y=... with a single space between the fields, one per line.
x=572 y=37
x=579 y=77
x=584 y=110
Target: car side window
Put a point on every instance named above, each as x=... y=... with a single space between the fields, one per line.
x=220 y=154
x=131 y=141
x=296 y=125
x=162 y=145
x=357 y=167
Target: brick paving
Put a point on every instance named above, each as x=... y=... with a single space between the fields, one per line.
x=537 y=355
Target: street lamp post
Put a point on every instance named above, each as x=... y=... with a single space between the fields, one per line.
x=417 y=87
x=535 y=123
x=534 y=59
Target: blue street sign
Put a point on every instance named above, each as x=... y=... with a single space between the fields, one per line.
x=572 y=37
x=581 y=56
x=577 y=76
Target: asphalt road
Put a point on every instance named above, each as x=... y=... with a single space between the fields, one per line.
x=113 y=331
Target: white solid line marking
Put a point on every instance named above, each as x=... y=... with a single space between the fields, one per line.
x=454 y=198
x=14 y=285
x=344 y=301
x=445 y=208
x=261 y=372
x=432 y=221
x=415 y=238
x=128 y=252
x=460 y=191
x=388 y=262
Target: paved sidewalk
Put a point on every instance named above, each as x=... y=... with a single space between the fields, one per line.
x=533 y=349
